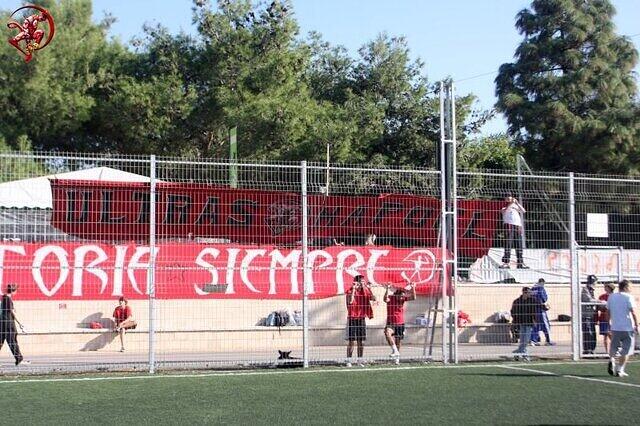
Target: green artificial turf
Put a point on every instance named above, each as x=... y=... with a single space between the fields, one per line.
x=424 y=395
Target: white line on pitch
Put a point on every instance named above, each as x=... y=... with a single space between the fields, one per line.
x=569 y=376
x=261 y=373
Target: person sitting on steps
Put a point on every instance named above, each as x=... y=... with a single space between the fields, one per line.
x=123 y=317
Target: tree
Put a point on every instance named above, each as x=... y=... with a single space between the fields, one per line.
x=151 y=101
x=255 y=81
x=570 y=96
x=51 y=99
x=493 y=152
x=247 y=66
x=395 y=108
x=15 y=168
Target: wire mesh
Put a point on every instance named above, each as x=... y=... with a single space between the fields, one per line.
x=219 y=280
x=381 y=224
x=68 y=284
x=530 y=248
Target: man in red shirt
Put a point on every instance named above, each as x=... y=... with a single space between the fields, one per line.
x=603 y=315
x=123 y=317
x=359 y=298
x=394 y=330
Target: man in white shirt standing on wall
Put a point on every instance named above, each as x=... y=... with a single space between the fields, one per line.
x=513 y=219
x=624 y=324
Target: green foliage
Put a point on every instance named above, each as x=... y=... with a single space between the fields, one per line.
x=394 y=108
x=15 y=168
x=258 y=81
x=52 y=98
x=149 y=112
x=248 y=66
x=493 y=152
x=570 y=96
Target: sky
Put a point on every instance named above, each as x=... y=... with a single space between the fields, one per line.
x=464 y=39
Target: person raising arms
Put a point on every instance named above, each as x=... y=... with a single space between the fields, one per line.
x=394 y=330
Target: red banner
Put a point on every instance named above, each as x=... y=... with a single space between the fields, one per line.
x=72 y=271
x=120 y=212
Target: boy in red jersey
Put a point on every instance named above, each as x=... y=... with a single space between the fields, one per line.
x=123 y=318
x=359 y=298
x=394 y=330
x=603 y=315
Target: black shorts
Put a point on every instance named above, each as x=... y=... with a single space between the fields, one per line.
x=356 y=329
x=398 y=330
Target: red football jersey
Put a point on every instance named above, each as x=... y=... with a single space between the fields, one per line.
x=121 y=314
x=603 y=316
x=395 y=309
x=360 y=306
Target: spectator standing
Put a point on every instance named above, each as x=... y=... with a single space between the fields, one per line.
x=542 y=319
x=624 y=325
x=589 y=307
x=513 y=220
x=523 y=312
x=123 y=317
x=8 y=320
x=603 y=316
x=359 y=298
x=394 y=329
x=370 y=240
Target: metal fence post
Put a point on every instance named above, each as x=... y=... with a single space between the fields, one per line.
x=519 y=160
x=453 y=163
x=448 y=221
x=443 y=224
x=576 y=320
x=151 y=275
x=305 y=266
x=620 y=263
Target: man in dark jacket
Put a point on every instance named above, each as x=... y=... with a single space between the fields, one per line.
x=8 y=320
x=589 y=304
x=523 y=312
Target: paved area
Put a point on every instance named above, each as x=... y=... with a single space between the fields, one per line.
x=105 y=360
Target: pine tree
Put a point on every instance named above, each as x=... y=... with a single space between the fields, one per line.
x=570 y=96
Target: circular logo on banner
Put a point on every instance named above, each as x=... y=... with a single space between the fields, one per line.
x=283 y=218
x=424 y=266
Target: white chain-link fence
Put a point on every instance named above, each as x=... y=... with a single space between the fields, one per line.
x=234 y=262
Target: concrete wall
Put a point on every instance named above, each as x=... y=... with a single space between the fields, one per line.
x=231 y=325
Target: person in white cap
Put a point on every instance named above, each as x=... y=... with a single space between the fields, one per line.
x=624 y=325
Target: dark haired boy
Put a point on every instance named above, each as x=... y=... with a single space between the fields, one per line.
x=8 y=320
x=359 y=298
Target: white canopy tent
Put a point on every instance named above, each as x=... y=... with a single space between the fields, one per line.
x=35 y=193
x=26 y=205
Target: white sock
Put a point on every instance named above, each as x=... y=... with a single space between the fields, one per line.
x=394 y=348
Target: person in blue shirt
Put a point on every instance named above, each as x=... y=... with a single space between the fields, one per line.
x=542 y=319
